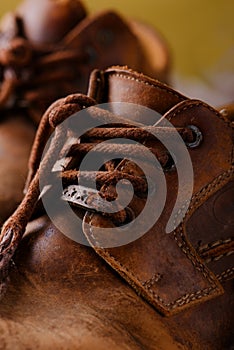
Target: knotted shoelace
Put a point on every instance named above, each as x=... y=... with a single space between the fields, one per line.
x=28 y=72
x=106 y=178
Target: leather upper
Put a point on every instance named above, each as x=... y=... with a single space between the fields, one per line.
x=169 y=270
x=53 y=275
x=48 y=50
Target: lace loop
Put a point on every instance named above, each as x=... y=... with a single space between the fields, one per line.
x=17 y=54
x=107 y=178
x=33 y=72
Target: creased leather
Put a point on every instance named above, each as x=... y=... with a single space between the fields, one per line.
x=106 y=38
x=63 y=295
x=185 y=280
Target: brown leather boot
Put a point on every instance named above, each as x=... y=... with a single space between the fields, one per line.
x=25 y=38
x=47 y=50
x=162 y=291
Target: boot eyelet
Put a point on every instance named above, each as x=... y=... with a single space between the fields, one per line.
x=198 y=137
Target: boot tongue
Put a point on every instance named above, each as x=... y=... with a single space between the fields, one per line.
x=120 y=84
x=47 y=22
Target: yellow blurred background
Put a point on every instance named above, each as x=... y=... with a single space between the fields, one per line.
x=200 y=33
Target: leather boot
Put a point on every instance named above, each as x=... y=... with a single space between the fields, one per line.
x=47 y=50
x=164 y=290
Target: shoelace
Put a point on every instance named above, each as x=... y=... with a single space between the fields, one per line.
x=14 y=228
x=28 y=71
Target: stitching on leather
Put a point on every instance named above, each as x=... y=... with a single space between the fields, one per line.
x=156 y=278
x=228 y=274
x=183 y=245
x=211 y=245
x=220 y=116
x=187 y=298
x=210 y=187
x=217 y=258
x=204 y=192
x=191 y=256
x=196 y=199
x=92 y=234
x=174 y=93
x=125 y=268
x=197 y=104
x=184 y=299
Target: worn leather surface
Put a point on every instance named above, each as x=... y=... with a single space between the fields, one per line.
x=49 y=21
x=78 y=298
x=173 y=255
x=109 y=39
x=105 y=38
x=16 y=137
x=96 y=41
x=120 y=84
x=63 y=296
x=78 y=302
x=16 y=134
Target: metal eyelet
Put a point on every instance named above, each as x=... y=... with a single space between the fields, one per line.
x=198 y=137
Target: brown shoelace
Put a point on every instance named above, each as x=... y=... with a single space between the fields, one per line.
x=106 y=178
x=29 y=71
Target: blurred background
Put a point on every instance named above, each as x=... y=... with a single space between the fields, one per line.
x=200 y=34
